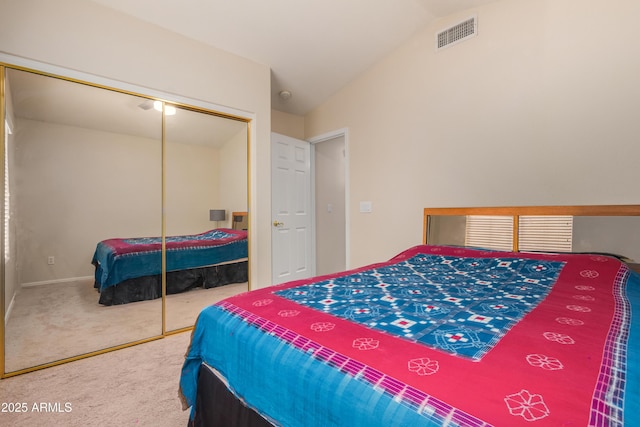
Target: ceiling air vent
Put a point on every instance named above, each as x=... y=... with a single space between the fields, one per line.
x=459 y=32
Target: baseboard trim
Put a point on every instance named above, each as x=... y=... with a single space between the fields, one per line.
x=56 y=281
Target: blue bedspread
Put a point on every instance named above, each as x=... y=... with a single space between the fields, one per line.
x=570 y=360
x=117 y=260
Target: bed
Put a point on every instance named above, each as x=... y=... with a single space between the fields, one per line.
x=129 y=269
x=437 y=335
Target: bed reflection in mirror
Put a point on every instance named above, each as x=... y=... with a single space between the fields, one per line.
x=83 y=215
x=205 y=171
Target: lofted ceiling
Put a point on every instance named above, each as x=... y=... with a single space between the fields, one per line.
x=313 y=47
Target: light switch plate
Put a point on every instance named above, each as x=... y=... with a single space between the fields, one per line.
x=366 y=207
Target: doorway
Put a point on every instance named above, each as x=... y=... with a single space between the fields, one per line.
x=330 y=202
x=309 y=206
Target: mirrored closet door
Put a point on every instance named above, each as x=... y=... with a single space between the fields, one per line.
x=206 y=181
x=88 y=173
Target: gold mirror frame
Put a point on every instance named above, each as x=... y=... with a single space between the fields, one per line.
x=166 y=100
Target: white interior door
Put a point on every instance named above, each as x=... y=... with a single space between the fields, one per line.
x=291 y=213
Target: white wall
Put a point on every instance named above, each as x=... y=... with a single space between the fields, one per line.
x=86 y=37
x=540 y=108
x=287 y=124
x=233 y=176
x=192 y=179
x=74 y=187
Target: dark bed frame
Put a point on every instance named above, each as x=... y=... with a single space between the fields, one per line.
x=150 y=287
x=217 y=406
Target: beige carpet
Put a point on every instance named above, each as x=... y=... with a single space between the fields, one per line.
x=136 y=386
x=54 y=322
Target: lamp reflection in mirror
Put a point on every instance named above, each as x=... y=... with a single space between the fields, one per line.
x=168 y=109
x=217 y=215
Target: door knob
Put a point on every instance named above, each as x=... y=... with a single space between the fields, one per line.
x=277 y=223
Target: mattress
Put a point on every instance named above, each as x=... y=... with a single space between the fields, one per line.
x=435 y=336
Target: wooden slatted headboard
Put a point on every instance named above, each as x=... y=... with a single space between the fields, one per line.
x=239 y=221
x=603 y=211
